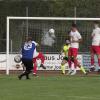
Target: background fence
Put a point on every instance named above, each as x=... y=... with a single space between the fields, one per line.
x=48 y=8
x=38 y=29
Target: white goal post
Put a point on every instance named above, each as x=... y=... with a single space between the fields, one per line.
x=35 y=18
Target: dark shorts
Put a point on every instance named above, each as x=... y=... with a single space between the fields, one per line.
x=65 y=58
x=28 y=63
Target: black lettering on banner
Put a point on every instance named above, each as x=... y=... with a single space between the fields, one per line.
x=60 y=57
x=49 y=58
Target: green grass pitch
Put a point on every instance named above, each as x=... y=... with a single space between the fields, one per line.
x=50 y=88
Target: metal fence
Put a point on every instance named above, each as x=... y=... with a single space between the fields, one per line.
x=50 y=8
x=38 y=29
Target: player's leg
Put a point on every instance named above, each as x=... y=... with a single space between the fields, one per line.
x=69 y=61
x=92 y=51
x=64 y=61
x=41 y=56
x=81 y=68
x=69 y=57
x=97 y=50
x=76 y=63
x=74 y=60
x=99 y=60
x=63 y=67
x=29 y=65
x=24 y=73
x=34 y=67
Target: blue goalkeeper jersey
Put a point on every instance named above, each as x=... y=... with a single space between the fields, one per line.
x=28 y=50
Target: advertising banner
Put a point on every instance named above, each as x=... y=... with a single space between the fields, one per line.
x=52 y=62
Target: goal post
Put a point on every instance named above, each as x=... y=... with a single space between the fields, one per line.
x=10 y=18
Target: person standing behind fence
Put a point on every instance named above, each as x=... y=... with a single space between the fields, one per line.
x=48 y=40
x=95 y=48
x=27 y=57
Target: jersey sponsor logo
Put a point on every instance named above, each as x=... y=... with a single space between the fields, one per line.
x=28 y=46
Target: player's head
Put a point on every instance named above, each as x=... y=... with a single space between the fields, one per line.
x=67 y=42
x=96 y=24
x=28 y=38
x=52 y=33
x=74 y=27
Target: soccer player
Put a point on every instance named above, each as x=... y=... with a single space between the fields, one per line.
x=75 y=39
x=95 y=48
x=36 y=57
x=64 y=50
x=28 y=50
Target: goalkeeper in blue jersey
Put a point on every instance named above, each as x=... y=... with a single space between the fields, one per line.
x=64 y=51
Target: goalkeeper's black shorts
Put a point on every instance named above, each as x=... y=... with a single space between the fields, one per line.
x=66 y=58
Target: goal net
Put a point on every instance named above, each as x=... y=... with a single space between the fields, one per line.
x=37 y=27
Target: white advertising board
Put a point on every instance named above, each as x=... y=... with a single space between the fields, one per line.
x=52 y=62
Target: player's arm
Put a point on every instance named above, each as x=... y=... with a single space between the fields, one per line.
x=77 y=41
x=79 y=38
x=36 y=44
x=62 y=50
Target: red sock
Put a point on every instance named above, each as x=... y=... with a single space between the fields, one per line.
x=92 y=60
x=75 y=63
x=69 y=63
x=35 y=68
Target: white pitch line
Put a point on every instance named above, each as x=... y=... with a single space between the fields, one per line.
x=81 y=97
x=85 y=97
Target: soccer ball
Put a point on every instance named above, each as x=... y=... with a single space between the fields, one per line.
x=51 y=31
x=17 y=58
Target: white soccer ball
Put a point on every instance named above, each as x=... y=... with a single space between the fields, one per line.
x=17 y=58
x=51 y=31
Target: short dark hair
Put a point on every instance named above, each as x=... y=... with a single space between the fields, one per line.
x=96 y=22
x=28 y=38
x=74 y=25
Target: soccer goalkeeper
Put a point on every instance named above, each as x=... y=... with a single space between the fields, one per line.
x=64 y=51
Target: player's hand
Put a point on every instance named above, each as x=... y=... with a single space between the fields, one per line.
x=37 y=45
